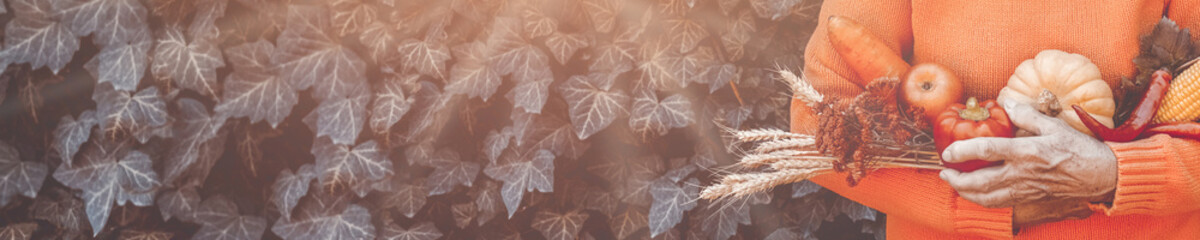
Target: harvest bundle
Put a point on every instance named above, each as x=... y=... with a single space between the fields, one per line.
x=908 y=115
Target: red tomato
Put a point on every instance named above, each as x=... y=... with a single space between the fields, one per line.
x=962 y=122
x=933 y=87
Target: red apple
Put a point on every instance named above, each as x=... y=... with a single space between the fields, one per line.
x=932 y=87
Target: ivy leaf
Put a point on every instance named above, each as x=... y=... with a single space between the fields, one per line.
x=450 y=171
x=731 y=114
x=204 y=19
x=290 y=187
x=391 y=103
x=559 y=226
x=18 y=231
x=563 y=46
x=613 y=56
x=72 y=133
x=530 y=95
x=598 y=199
x=122 y=64
x=219 y=219
x=110 y=172
x=719 y=76
x=464 y=213
x=339 y=164
x=472 y=74
x=341 y=118
x=254 y=89
x=685 y=32
x=695 y=66
x=306 y=55
x=420 y=231
x=113 y=21
x=181 y=203
x=19 y=177
x=854 y=210
x=405 y=198
x=650 y=116
x=737 y=33
x=593 y=104
x=662 y=67
x=513 y=54
x=381 y=38
x=200 y=145
x=350 y=16
x=39 y=42
x=629 y=221
x=670 y=201
x=721 y=219
x=426 y=56
x=674 y=7
x=784 y=234
x=521 y=173
x=487 y=200
x=324 y=218
x=807 y=213
x=61 y=208
x=602 y=13
x=118 y=110
x=632 y=177
x=804 y=188
x=433 y=110
x=538 y=24
x=549 y=132
x=706 y=154
x=773 y=9
x=495 y=143
x=680 y=173
x=191 y=64
x=171 y=11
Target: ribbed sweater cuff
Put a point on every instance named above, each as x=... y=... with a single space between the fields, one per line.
x=973 y=219
x=1141 y=170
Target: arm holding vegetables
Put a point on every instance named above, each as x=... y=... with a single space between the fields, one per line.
x=1159 y=175
x=909 y=196
x=1154 y=176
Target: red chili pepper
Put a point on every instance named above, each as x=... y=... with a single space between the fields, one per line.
x=1189 y=130
x=1141 y=117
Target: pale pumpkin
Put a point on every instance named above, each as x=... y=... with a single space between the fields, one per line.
x=1072 y=78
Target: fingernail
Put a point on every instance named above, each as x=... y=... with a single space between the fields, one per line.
x=946 y=174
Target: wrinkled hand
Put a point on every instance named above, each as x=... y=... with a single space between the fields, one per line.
x=1057 y=164
x=1050 y=211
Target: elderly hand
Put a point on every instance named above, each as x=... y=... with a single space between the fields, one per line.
x=1050 y=211
x=1057 y=164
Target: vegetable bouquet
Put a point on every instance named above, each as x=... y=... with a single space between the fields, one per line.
x=908 y=114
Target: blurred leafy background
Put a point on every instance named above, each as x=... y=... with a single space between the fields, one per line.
x=398 y=119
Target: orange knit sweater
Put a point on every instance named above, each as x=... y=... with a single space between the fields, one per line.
x=1158 y=192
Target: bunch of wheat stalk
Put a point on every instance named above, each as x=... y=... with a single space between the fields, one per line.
x=856 y=136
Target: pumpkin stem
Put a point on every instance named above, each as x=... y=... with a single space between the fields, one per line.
x=973 y=111
x=1047 y=103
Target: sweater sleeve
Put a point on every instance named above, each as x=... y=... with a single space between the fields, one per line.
x=1185 y=13
x=1156 y=176
x=1159 y=175
x=916 y=195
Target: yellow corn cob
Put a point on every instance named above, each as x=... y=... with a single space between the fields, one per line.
x=1182 y=102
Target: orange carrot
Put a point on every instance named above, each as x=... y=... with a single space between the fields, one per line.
x=868 y=55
